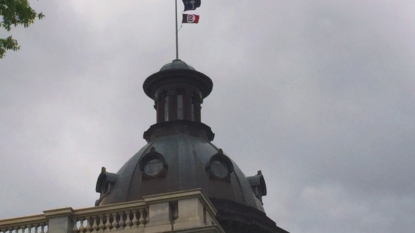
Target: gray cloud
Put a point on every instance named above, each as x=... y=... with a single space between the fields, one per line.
x=318 y=95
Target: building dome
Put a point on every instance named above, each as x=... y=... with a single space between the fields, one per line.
x=178 y=162
x=179 y=156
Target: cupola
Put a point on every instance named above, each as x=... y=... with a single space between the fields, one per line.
x=178 y=91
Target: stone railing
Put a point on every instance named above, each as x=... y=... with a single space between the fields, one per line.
x=28 y=224
x=169 y=212
x=119 y=217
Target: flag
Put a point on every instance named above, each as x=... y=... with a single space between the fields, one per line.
x=188 y=18
x=190 y=5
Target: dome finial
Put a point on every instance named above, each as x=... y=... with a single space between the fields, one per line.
x=177 y=64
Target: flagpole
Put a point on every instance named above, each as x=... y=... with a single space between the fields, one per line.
x=177 y=36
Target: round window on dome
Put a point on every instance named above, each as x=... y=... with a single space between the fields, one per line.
x=219 y=169
x=153 y=167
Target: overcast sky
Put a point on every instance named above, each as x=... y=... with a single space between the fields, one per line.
x=319 y=95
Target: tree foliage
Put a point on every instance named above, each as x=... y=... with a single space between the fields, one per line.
x=14 y=13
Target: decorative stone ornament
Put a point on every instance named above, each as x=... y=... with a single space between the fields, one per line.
x=153 y=165
x=258 y=185
x=219 y=167
x=104 y=184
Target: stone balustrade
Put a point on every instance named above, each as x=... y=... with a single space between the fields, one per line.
x=170 y=212
x=127 y=216
x=29 y=224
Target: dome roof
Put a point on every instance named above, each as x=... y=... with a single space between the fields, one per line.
x=186 y=161
x=179 y=156
x=177 y=64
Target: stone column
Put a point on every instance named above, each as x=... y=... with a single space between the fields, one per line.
x=173 y=108
x=160 y=110
x=187 y=105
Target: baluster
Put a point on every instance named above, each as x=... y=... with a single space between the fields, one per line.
x=114 y=222
x=28 y=227
x=127 y=221
x=146 y=214
x=23 y=228
x=94 y=225
x=81 y=227
x=101 y=222
x=121 y=222
x=35 y=225
x=16 y=229
x=88 y=227
x=142 y=220
x=108 y=224
x=135 y=220
x=75 y=225
x=42 y=228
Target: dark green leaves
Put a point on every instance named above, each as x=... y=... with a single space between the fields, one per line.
x=14 y=13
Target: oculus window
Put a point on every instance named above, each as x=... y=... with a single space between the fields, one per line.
x=153 y=165
x=219 y=167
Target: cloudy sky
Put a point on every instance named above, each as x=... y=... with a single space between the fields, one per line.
x=319 y=95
